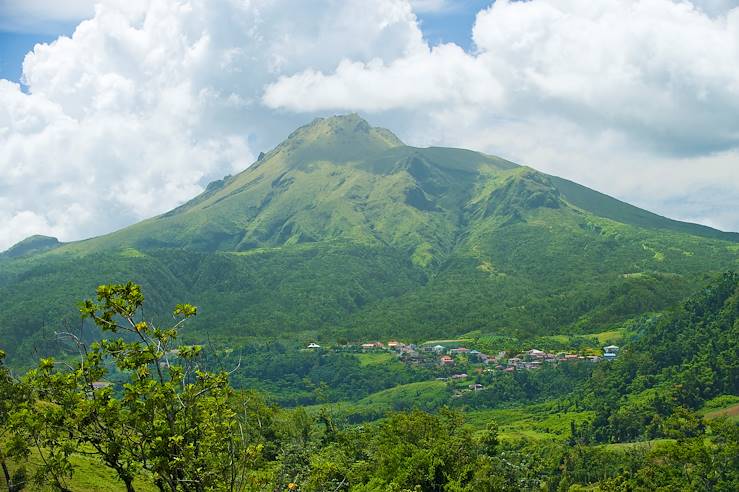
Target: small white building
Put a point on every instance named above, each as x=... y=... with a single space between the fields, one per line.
x=313 y=346
x=610 y=352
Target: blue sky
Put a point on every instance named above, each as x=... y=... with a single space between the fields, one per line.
x=452 y=24
x=13 y=48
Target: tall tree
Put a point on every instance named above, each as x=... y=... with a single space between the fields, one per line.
x=169 y=416
x=12 y=394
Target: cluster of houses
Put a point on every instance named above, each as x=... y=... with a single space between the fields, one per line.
x=392 y=345
x=529 y=360
x=446 y=356
x=534 y=359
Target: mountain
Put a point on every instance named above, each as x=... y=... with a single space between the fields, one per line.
x=31 y=245
x=344 y=231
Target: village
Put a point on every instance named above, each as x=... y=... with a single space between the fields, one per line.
x=445 y=358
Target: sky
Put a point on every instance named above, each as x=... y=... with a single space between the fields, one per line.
x=114 y=112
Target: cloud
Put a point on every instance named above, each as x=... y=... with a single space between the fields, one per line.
x=441 y=76
x=661 y=71
x=715 y=7
x=44 y=16
x=431 y=6
x=147 y=102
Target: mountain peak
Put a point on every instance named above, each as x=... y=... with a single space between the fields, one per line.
x=31 y=245
x=345 y=138
x=347 y=124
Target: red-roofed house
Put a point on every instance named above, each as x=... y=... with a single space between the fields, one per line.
x=446 y=360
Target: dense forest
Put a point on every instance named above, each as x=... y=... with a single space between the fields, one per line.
x=174 y=422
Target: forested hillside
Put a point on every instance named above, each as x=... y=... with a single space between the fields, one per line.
x=678 y=361
x=342 y=231
x=636 y=423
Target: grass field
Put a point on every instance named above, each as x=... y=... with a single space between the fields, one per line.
x=90 y=475
x=722 y=406
x=732 y=412
x=626 y=446
x=539 y=421
x=606 y=337
x=603 y=337
x=375 y=358
x=423 y=395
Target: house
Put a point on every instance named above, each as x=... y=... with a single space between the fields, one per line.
x=514 y=361
x=459 y=376
x=438 y=349
x=536 y=354
x=393 y=344
x=446 y=360
x=411 y=358
x=610 y=352
x=459 y=351
x=313 y=346
x=101 y=384
x=477 y=356
x=475 y=387
x=372 y=345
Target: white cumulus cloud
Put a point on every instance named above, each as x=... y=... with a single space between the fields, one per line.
x=148 y=101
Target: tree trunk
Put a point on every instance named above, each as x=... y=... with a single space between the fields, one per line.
x=129 y=485
x=8 y=480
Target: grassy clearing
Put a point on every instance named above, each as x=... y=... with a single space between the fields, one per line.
x=375 y=358
x=607 y=337
x=405 y=393
x=626 y=446
x=424 y=395
x=90 y=475
x=722 y=406
x=603 y=337
x=540 y=421
x=563 y=339
x=732 y=412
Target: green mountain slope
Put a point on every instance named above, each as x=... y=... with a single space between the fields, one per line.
x=31 y=245
x=342 y=230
